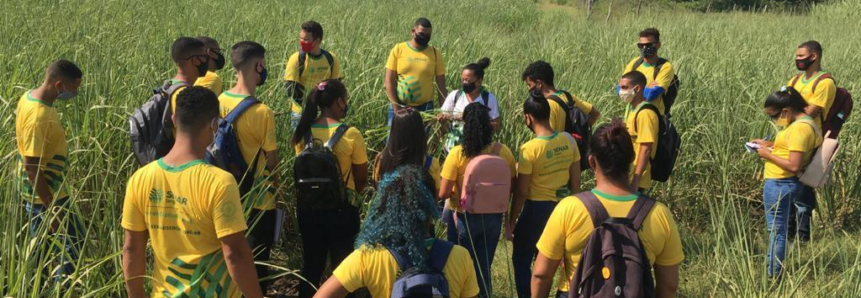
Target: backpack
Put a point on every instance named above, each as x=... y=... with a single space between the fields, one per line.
x=151 y=126
x=669 y=96
x=224 y=151
x=614 y=261
x=817 y=172
x=318 y=175
x=667 y=148
x=431 y=283
x=577 y=124
x=303 y=56
x=485 y=97
x=486 y=184
x=833 y=120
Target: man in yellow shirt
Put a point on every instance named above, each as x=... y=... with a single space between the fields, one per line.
x=43 y=159
x=539 y=77
x=308 y=67
x=191 y=213
x=643 y=126
x=216 y=62
x=411 y=71
x=255 y=132
x=548 y=170
x=658 y=71
x=192 y=62
x=818 y=92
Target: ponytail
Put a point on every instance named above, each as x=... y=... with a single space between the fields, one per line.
x=324 y=95
x=613 y=151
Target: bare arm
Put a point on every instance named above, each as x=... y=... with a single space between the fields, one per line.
x=495 y=124
x=645 y=152
x=793 y=164
x=360 y=176
x=272 y=162
x=134 y=262
x=666 y=281
x=240 y=264
x=332 y=288
x=38 y=180
x=445 y=186
x=391 y=81
x=440 y=87
x=813 y=110
x=520 y=196
x=593 y=116
x=542 y=275
x=574 y=177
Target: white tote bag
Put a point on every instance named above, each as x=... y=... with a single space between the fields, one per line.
x=818 y=172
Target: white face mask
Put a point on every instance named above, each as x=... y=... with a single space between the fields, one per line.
x=627 y=95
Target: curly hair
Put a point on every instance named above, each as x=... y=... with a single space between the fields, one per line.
x=477 y=131
x=399 y=216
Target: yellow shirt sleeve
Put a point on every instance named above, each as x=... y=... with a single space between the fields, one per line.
x=210 y=81
x=435 y=172
x=526 y=160
x=34 y=138
x=672 y=253
x=351 y=272
x=227 y=211
x=133 y=217
x=824 y=94
x=291 y=70
x=359 y=155
x=465 y=272
x=392 y=61
x=665 y=76
x=647 y=127
x=552 y=241
x=508 y=156
x=336 y=67
x=270 y=141
x=449 y=167
x=439 y=62
x=630 y=66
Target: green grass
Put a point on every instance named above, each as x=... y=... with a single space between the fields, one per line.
x=727 y=62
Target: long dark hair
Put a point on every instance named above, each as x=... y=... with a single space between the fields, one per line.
x=324 y=96
x=477 y=131
x=611 y=146
x=407 y=142
x=787 y=98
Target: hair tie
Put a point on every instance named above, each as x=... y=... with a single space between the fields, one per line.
x=783 y=89
x=322 y=86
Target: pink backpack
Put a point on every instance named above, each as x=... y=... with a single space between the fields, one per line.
x=486 y=184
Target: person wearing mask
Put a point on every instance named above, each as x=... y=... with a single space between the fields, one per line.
x=479 y=233
x=330 y=233
x=192 y=62
x=570 y=226
x=539 y=77
x=190 y=213
x=216 y=62
x=407 y=145
x=398 y=220
x=411 y=71
x=643 y=126
x=548 y=170
x=308 y=67
x=41 y=168
x=472 y=90
x=658 y=71
x=784 y=158
x=255 y=133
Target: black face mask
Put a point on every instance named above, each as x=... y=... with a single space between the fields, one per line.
x=649 y=51
x=203 y=67
x=422 y=39
x=468 y=87
x=219 y=61
x=804 y=64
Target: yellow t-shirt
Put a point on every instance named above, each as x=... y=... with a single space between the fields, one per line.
x=570 y=226
x=664 y=78
x=173 y=98
x=185 y=210
x=350 y=150
x=557 y=112
x=799 y=137
x=417 y=70
x=454 y=169
x=376 y=269
x=255 y=130
x=548 y=160
x=647 y=127
x=433 y=171
x=210 y=81
x=317 y=69
x=823 y=97
x=39 y=133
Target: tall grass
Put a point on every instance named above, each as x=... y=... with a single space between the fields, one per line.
x=727 y=62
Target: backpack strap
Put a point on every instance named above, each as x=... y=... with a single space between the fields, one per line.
x=596 y=210
x=820 y=78
x=457 y=97
x=240 y=108
x=485 y=97
x=302 y=57
x=331 y=61
x=647 y=106
x=642 y=206
x=661 y=62
x=795 y=80
x=439 y=254
x=637 y=63
x=428 y=162
x=404 y=263
x=342 y=129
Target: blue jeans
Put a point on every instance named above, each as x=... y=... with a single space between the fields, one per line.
x=67 y=236
x=527 y=231
x=294 y=120
x=799 y=225
x=778 y=195
x=421 y=108
x=479 y=234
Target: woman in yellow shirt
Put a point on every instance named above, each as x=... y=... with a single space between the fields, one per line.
x=570 y=226
x=397 y=223
x=784 y=159
x=329 y=233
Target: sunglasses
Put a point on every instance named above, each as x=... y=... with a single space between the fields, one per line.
x=643 y=45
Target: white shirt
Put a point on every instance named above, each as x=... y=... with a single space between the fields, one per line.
x=450 y=108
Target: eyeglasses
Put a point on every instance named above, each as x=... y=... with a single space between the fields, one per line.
x=643 y=45
x=205 y=58
x=775 y=116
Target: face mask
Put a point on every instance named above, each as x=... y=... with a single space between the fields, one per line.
x=219 y=61
x=306 y=46
x=468 y=87
x=780 y=121
x=263 y=75
x=804 y=64
x=627 y=96
x=202 y=68
x=649 y=51
x=422 y=39
x=66 y=95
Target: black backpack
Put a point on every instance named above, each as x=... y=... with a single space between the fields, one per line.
x=667 y=148
x=670 y=94
x=318 y=175
x=303 y=56
x=151 y=127
x=577 y=124
x=614 y=261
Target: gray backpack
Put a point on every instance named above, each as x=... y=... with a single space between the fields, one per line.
x=151 y=127
x=614 y=261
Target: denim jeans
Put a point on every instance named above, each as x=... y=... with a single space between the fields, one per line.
x=67 y=236
x=421 y=108
x=325 y=233
x=479 y=234
x=528 y=230
x=294 y=120
x=778 y=195
x=799 y=225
